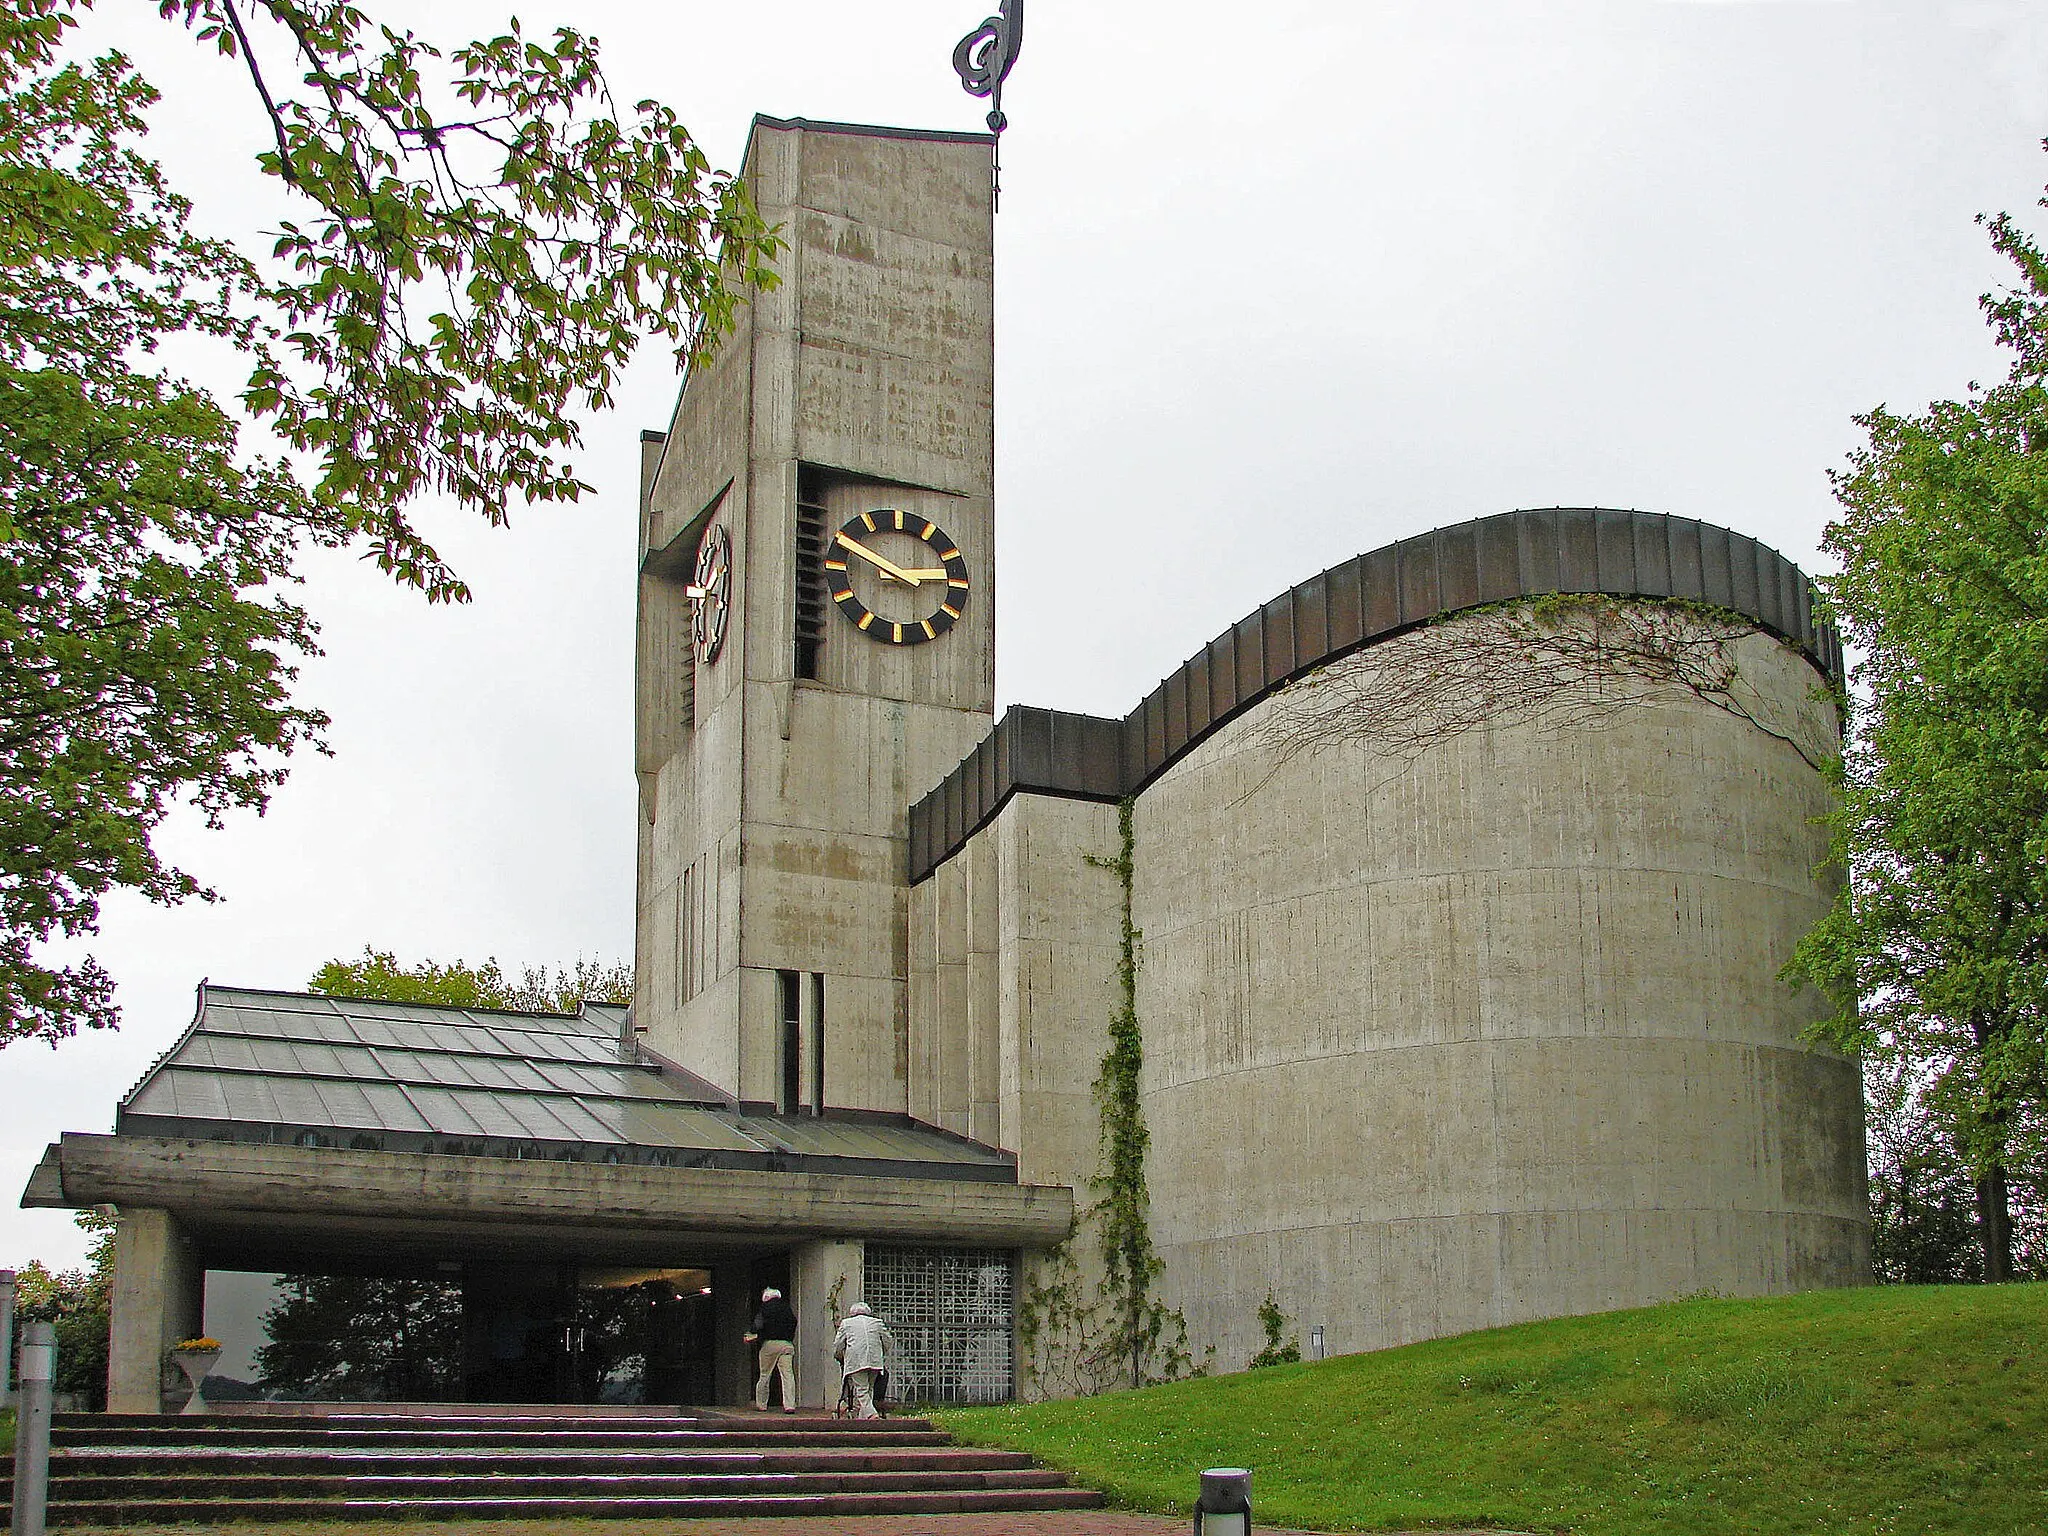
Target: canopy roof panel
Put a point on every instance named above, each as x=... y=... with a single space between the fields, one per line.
x=313 y=1071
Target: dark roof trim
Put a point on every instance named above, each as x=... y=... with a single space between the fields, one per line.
x=870 y=131
x=1347 y=607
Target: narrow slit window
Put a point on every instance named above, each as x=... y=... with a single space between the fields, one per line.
x=817 y=1043
x=792 y=1058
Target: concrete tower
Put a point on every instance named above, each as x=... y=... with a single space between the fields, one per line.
x=827 y=485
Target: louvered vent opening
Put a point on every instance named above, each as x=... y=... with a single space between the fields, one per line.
x=810 y=572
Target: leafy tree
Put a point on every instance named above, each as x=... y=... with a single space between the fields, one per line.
x=379 y=974
x=141 y=660
x=1935 y=954
x=350 y=1337
x=486 y=238
x=1923 y=1213
x=78 y=1302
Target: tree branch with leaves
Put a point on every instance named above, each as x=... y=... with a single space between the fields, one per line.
x=487 y=238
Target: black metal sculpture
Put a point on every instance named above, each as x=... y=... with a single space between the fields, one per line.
x=983 y=61
x=985 y=56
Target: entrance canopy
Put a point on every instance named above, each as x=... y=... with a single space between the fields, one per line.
x=285 y=1124
x=525 y=1158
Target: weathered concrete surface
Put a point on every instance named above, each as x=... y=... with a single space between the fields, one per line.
x=158 y=1301
x=1013 y=979
x=774 y=815
x=457 y=1200
x=1432 y=1043
x=1494 y=1033
x=1013 y=959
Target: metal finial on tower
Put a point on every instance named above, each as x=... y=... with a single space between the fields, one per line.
x=983 y=61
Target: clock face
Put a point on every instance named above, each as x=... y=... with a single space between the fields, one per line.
x=897 y=577
x=710 y=592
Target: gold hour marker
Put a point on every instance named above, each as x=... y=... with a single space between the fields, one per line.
x=949 y=610
x=866 y=619
x=926 y=626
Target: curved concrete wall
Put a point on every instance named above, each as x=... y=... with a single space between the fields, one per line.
x=1494 y=1032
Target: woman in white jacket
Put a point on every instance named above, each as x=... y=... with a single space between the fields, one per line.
x=862 y=1347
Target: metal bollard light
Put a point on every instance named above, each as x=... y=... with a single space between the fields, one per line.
x=1224 y=1507
x=1315 y=1342
x=32 y=1428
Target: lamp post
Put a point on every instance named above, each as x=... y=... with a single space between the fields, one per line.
x=1224 y=1507
x=6 y=1335
x=32 y=1428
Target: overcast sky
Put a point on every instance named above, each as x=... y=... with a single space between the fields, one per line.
x=1276 y=284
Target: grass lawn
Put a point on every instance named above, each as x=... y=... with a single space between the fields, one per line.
x=1910 y=1410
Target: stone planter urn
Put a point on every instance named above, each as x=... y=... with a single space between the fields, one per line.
x=196 y=1357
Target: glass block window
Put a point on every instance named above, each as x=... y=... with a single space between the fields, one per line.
x=950 y=1311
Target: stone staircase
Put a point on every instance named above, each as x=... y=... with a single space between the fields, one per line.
x=133 y=1469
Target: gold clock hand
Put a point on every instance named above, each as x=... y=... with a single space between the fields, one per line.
x=887 y=567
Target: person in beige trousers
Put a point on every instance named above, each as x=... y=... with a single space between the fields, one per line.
x=862 y=1347
x=775 y=1329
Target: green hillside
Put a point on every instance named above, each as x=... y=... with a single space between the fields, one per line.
x=1899 y=1409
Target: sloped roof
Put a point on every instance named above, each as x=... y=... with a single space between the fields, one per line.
x=310 y=1070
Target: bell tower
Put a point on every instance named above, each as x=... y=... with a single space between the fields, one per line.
x=816 y=635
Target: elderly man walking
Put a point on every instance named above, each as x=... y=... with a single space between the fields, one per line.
x=862 y=1347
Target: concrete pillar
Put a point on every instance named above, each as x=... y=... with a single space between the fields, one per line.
x=159 y=1299
x=732 y=1308
x=826 y=1280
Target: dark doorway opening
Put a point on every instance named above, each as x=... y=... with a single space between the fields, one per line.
x=566 y=1333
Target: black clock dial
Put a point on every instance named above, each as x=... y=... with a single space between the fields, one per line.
x=897 y=577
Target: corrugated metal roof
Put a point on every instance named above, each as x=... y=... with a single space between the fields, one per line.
x=405 y=1077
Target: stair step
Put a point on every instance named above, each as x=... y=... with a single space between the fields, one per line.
x=206 y=1489
x=124 y=1462
x=966 y=1501
x=433 y=1439
x=143 y=1469
x=474 y=1426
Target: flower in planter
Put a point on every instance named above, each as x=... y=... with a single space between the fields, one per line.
x=196 y=1346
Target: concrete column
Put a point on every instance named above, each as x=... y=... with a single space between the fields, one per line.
x=159 y=1299
x=826 y=1280
x=732 y=1308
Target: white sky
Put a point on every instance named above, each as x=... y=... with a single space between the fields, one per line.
x=1276 y=284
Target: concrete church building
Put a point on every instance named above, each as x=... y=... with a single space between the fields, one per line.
x=1460 y=918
